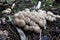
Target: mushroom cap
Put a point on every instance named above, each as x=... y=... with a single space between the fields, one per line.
x=16 y=21
x=36 y=29
x=26 y=28
x=21 y=23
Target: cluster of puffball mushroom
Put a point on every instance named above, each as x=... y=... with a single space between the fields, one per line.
x=33 y=20
x=4 y=34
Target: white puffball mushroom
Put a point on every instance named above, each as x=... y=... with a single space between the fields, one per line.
x=21 y=23
x=36 y=29
x=32 y=23
x=50 y=16
x=8 y=10
x=27 y=14
x=21 y=16
x=58 y=16
x=27 y=19
x=16 y=15
x=34 y=19
x=50 y=13
x=1 y=32
x=41 y=23
x=27 y=10
x=31 y=28
x=26 y=28
x=42 y=13
x=16 y=21
x=5 y=33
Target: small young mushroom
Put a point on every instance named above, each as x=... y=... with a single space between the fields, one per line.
x=50 y=16
x=32 y=23
x=16 y=20
x=31 y=28
x=26 y=28
x=16 y=15
x=36 y=29
x=1 y=32
x=8 y=10
x=5 y=32
x=27 y=20
x=21 y=23
x=21 y=16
